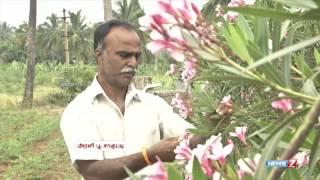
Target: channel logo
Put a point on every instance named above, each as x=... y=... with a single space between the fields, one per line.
x=292 y=163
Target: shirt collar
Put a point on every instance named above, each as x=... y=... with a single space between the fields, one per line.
x=95 y=89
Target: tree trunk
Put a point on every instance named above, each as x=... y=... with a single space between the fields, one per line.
x=31 y=61
x=107 y=9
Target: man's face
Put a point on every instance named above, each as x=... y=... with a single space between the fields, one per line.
x=118 y=61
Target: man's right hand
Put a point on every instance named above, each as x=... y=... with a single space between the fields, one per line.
x=163 y=149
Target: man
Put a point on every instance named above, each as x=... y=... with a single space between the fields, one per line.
x=111 y=110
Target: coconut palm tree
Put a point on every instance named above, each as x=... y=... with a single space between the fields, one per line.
x=6 y=31
x=131 y=12
x=31 y=62
x=78 y=36
x=50 y=38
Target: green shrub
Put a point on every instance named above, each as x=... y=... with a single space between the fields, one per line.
x=72 y=79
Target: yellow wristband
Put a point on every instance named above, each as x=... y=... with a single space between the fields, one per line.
x=145 y=156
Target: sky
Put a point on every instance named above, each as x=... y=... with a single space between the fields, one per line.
x=14 y=12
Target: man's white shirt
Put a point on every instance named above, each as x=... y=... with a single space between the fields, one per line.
x=92 y=119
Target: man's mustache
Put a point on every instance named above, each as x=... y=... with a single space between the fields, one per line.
x=128 y=70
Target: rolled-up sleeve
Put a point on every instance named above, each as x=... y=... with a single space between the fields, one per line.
x=171 y=123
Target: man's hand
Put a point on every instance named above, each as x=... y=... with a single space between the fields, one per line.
x=163 y=149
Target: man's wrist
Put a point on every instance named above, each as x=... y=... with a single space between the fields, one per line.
x=151 y=155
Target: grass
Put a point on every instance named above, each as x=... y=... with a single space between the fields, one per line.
x=31 y=144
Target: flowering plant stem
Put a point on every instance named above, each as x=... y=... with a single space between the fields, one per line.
x=299 y=137
x=289 y=92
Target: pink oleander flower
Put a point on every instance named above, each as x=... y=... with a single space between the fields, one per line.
x=240 y=133
x=212 y=141
x=285 y=104
x=231 y=16
x=183 y=151
x=185 y=109
x=219 y=153
x=202 y=152
x=167 y=21
x=239 y=3
x=173 y=69
x=173 y=42
x=188 y=177
x=248 y=166
x=160 y=173
x=181 y=10
x=302 y=158
x=189 y=70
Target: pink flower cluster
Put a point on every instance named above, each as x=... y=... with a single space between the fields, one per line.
x=285 y=104
x=212 y=150
x=240 y=133
x=160 y=172
x=166 y=24
x=230 y=15
x=189 y=70
x=302 y=158
x=185 y=109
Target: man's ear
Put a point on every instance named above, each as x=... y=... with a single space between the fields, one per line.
x=98 y=54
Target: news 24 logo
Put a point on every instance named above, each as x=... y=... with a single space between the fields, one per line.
x=292 y=163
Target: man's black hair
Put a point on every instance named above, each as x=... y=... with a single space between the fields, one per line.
x=104 y=29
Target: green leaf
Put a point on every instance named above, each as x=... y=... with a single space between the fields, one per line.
x=173 y=173
x=317 y=2
x=261 y=34
x=206 y=55
x=286 y=62
x=306 y=4
x=197 y=172
x=309 y=88
x=267 y=154
x=254 y=50
x=200 y=131
x=284 y=124
x=316 y=55
x=237 y=79
x=131 y=174
x=237 y=43
x=271 y=73
x=189 y=38
x=243 y=24
x=303 y=66
x=277 y=14
x=314 y=155
x=285 y=51
x=232 y=70
x=276 y=33
x=292 y=174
